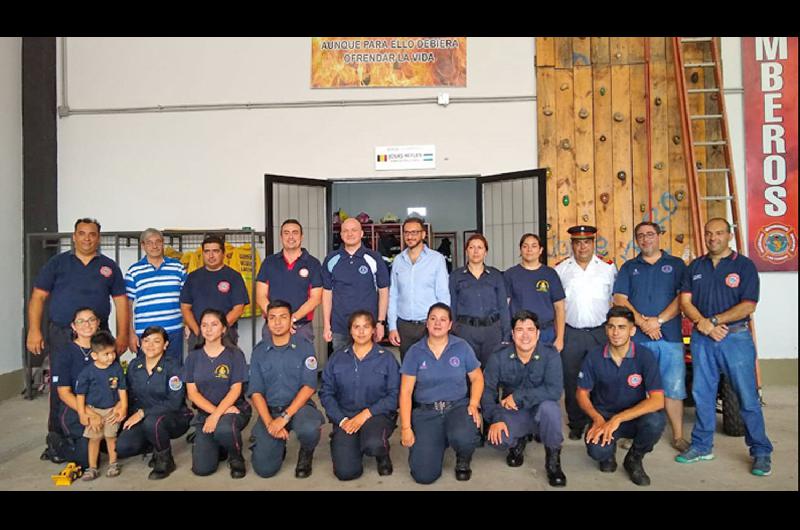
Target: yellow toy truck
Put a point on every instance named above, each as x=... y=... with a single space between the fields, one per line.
x=72 y=472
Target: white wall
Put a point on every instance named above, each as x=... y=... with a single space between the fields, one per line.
x=11 y=273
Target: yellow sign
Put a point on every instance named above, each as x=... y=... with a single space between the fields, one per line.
x=360 y=62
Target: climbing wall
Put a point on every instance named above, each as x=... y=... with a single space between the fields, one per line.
x=592 y=105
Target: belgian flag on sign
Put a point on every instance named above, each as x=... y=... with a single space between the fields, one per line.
x=383 y=158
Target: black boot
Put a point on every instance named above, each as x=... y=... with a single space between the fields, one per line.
x=516 y=455
x=163 y=465
x=223 y=454
x=609 y=466
x=304 y=459
x=633 y=465
x=236 y=463
x=463 y=471
x=54 y=447
x=576 y=433
x=384 y=465
x=552 y=464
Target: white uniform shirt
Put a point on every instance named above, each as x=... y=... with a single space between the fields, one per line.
x=588 y=291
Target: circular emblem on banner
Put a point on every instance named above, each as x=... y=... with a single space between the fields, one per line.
x=303 y=272
x=311 y=363
x=542 y=286
x=634 y=380
x=732 y=280
x=175 y=383
x=666 y=269
x=363 y=269
x=223 y=287
x=455 y=362
x=776 y=243
x=106 y=271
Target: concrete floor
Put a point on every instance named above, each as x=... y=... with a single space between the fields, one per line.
x=23 y=441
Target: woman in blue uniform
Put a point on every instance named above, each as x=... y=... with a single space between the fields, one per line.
x=360 y=385
x=436 y=408
x=215 y=375
x=158 y=410
x=535 y=287
x=69 y=444
x=479 y=301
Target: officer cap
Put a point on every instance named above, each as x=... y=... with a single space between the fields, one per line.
x=582 y=232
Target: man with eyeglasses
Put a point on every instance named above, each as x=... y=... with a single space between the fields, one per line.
x=154 y=289
x=649 y=285
x=71 y=280
x=588 y=281
x=418 y=280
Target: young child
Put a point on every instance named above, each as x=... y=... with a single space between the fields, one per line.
x=100 y=387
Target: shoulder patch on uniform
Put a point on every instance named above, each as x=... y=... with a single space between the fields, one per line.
x=175 y=383
x=559 y=262
x=580 y=375
x=607 y=260
x=311 y=363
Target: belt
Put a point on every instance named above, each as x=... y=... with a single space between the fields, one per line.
x=439 y=406
x=475 y=321
x=584 y=329
x=738 y=328
x=415 y=322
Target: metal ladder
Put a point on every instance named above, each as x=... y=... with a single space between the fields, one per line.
x=696 y=200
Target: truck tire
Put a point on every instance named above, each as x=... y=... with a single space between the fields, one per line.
x=732 y=423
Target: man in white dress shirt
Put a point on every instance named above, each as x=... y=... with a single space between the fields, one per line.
x=588 y=282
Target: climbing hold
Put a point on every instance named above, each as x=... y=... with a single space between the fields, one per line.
x=585 y=218
x=583 y=114
x=659 y=165
x=604 y=198
x=549 y=227
x=699 y=165
x=565 y=144
x=565 y=200
x=549 y=173
x=680 y=195
x=694 y=77
x=623 y=228
x=621 y=175
x=618 y=55
x=564 y=86
x=679 y=238
x=618 y=116
x=585 y=168
x=602 y=137
x=676 y=139
x=642 y=208
x=602 y=91
x=547 y=111
x=658 y=102
x=639 y=119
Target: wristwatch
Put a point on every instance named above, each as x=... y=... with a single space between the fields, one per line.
x=714 y=320
x=381 y=322
x=285 y=415
x=660 y=321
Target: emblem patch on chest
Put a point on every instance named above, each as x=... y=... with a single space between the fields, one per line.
x=223 y=287
x=175 y=383
x=363 y=269
x=666 y=269
x=543 y=286
x=455 y=362
x=732 y=280
x=106 y=271
x=222 y=371
x=113 y=383
x=634 y=380
x=303 y=273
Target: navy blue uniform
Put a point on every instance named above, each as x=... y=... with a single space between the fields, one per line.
x=715 y=290
x=616 y=388
x=161 y=395
x=354 y=281
x=278 y=373
x=214 y=378
x=480 y=310
x=439 y=417
x=350 y=386
x=291 y=282
x=69 y=363
x=536 y=386
x=536 y=291
x=221 y=290
x=101 y=386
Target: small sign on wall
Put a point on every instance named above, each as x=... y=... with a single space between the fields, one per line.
x=399 y=157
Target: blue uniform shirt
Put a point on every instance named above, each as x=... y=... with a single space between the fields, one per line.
x=349 y=385
x=415 y=287
x=222 y=290
x=279 y=372
x=215 y=377
x=157 y=393
x=156 y=293
x=483 y=297
x=540 y=380
x=101 y=386
x=72 y=285
x=69 y=363
x=354 y=281
x=442 y=380
x=715 y=290
x=651 y=288
x=616 y=388
x=291 y=282
x=535 y=291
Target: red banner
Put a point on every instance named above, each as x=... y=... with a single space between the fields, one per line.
x=769 y=70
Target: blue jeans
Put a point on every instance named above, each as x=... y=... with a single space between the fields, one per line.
x=670 y=365
x=645 y=431
x=734 y=356
x=544 y=419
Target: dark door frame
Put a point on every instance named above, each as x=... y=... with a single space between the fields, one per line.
x=269 y=195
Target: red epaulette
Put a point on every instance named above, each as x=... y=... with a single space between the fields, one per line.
x=559 y=262
x=601 y=258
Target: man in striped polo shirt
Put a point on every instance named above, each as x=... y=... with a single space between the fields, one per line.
x=154 y=288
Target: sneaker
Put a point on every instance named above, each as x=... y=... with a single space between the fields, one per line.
x=762 y=466
x=114 y=469
x=680 y=445
x=692 y=455
x=90 y=474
